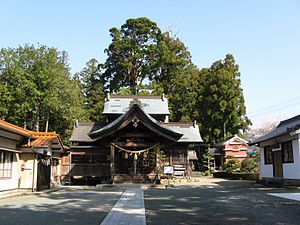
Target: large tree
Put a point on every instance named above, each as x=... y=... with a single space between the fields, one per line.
x=221 y=104
x=177 y=78
x=133 y=54
x=211 y=96
x=36 y=90
x=93 y=90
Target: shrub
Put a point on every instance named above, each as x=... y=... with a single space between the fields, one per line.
x=232 y=165
x=249 y=165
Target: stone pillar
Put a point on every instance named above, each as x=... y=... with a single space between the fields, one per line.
x=112 y=162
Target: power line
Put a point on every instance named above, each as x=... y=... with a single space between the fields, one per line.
x=278 y=108
x=276 y=105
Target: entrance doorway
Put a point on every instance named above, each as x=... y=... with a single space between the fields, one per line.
x=43 y=175
x=277 y=164
x=126 y=164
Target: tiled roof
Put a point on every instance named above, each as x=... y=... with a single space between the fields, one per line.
x=42 y=142
x=137 y=111
x=38 y=139
x=190 y=131
x=232 y=140
x=42 y=139
x=14 y=128
x=80 y=132
x=153 y=105
x=283 y=128
x=44 y=134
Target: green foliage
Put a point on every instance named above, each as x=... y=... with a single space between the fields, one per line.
x=182 y=95
x=232 y=165
x=35 y=88
x=174 y=59
x=221 y=101
x=155 y=158
x=208 y=160
x=132 y=55
x=93 y=90
x=178 y=79
x=251 y=163
x=211 y=96
x=140 y=60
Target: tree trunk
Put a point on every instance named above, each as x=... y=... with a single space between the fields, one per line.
x=25 y=122
x=47 y=122
x=36 y=122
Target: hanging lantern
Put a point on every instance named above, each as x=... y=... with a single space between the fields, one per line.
x=126 y=155
x=135 y=157
x=145 y=154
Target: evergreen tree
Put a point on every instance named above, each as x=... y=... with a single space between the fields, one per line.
x=36 y=90
x=178 y=78
x=93 y=90
x=132 y=55
x=212 y=96
x=221 y=104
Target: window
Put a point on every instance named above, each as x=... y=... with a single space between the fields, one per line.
x=268 y=154
x=5 y=164
x=287 y=150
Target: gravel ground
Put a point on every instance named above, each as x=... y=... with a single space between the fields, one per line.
x=219 y=201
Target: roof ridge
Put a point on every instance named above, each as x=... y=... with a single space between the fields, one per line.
x=178 y=123
x=37 y=134
x=283 y=122
x=13 y=126
x=136 y=96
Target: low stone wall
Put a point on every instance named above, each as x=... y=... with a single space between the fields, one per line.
x=279 y=181
x=236 y=176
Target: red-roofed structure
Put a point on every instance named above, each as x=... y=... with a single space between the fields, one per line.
x=27 y=157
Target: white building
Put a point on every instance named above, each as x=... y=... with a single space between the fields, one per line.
x=26 y=158
x=280 y=153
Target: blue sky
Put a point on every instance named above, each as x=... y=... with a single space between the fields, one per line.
x=263 y=36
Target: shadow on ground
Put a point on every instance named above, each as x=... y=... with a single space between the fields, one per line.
x=223 y=202
x=62 y=207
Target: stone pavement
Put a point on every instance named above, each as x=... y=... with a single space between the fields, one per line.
x=129 y=209
x=291 y=196
x=68 y=206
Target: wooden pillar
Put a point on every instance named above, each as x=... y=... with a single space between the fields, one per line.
x=112 y=162
x=222 y=162
x=171 y=157
x=188 y=163
x=158 y=158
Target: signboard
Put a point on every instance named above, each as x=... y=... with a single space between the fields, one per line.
x=168 y=169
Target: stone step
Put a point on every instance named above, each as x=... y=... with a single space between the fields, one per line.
x=132 y=179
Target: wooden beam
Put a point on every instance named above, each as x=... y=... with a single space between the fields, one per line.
x=112 y=162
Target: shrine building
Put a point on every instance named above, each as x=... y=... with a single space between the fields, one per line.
x=135 y=142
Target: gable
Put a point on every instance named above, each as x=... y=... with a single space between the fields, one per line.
x=235 y=140
x=153 y=105
x=135 y=116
